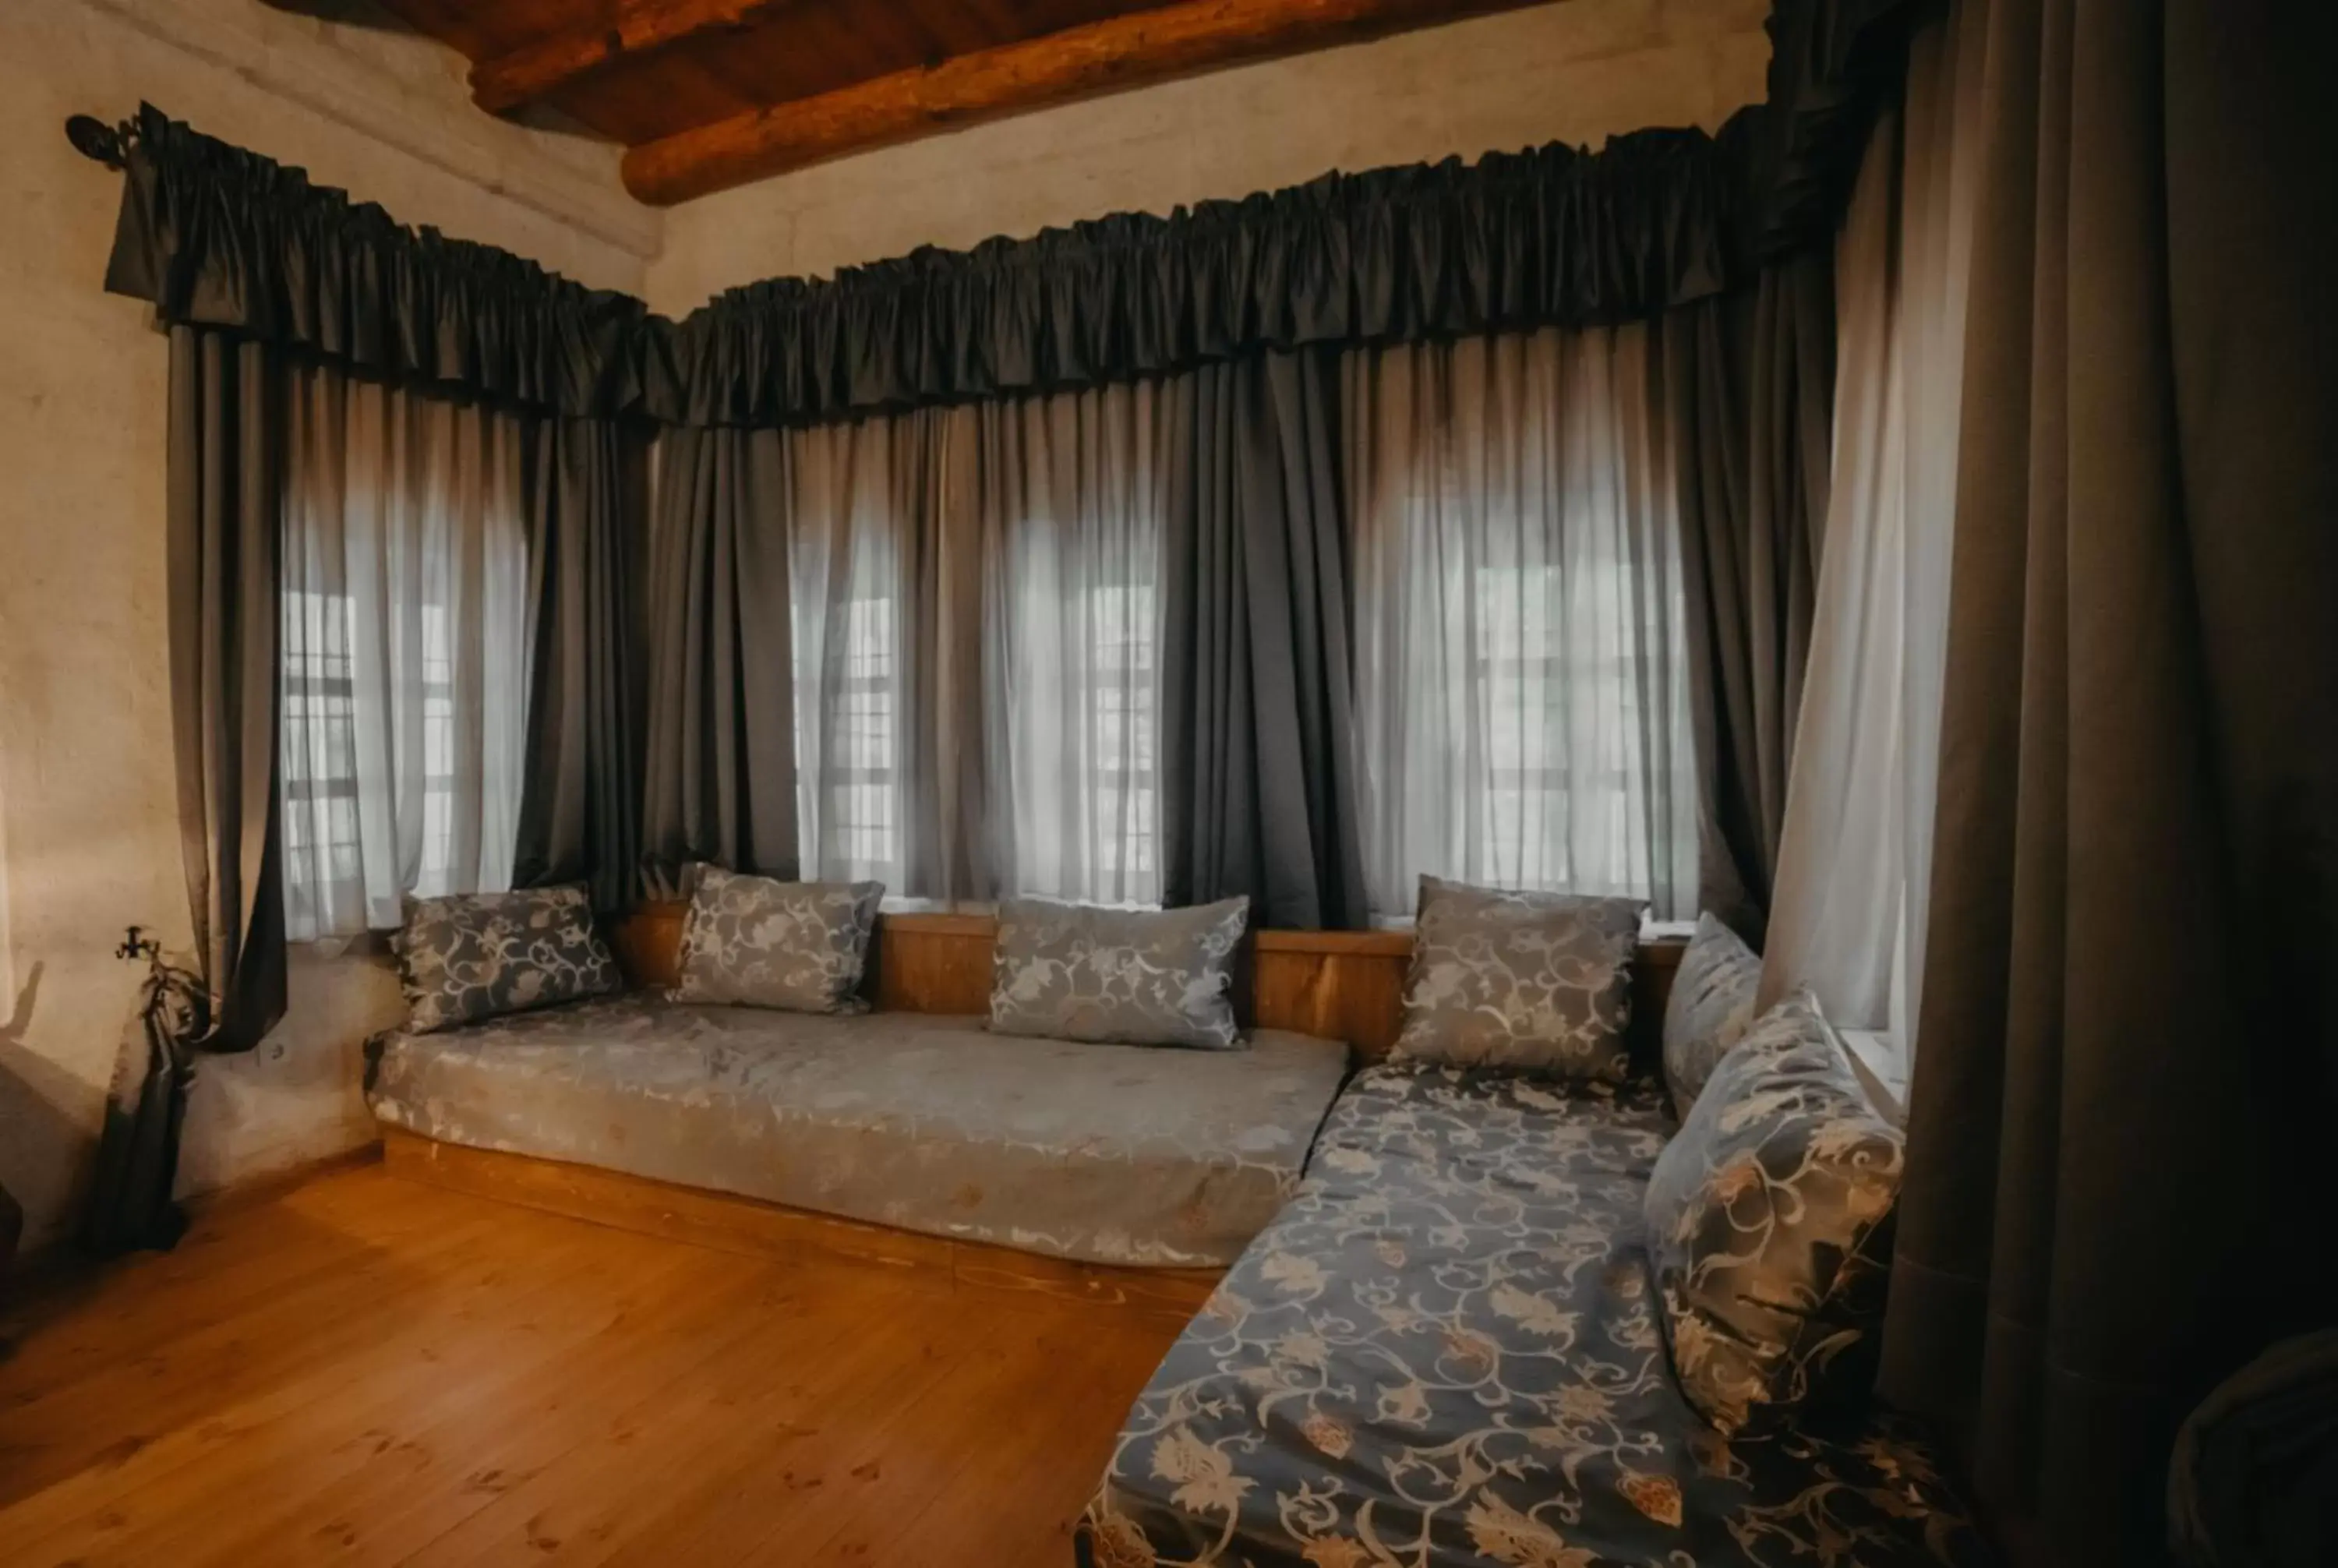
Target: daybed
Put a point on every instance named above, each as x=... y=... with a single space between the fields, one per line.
x=1119 y=1155
x=1446 y=1350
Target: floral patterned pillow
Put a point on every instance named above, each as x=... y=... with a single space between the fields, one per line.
x=1532 y=982
x=1711 y=1002
x=472 y=956
x=1117 y=977
x=757 y=942
x=1769 y=1227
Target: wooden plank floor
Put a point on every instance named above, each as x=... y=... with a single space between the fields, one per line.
x=365 y=1370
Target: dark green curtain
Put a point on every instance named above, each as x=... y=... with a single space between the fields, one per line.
x=1257 y=776
x=2115 y=1188
x=581 y=791
x=1749 y=380
x=722 y=760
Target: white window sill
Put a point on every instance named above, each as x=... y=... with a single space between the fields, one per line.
x=1882 y=1066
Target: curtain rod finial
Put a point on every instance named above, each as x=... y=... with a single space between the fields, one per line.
x=93 y=138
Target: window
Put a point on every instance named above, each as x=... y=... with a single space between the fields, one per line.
x=403 y=623
x=1123 y=696
x=322 y=836
x=860 y=825
x=1521 y=695
x=1073 y=682
x=1080 y=699
x=320 y=785
x=1535 y=678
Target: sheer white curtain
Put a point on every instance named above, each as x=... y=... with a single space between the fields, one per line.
x=863 y=510
x=1521 y=683
x=1074 y=490
x=1855 y=858
x=405 y=686
x=976 y=642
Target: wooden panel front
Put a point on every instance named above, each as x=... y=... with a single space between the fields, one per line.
x=1337 y=984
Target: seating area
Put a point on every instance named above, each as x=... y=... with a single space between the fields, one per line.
x=1437 y=1325
x=1168 y=784
x=1113 y=1154
x=1448 y=1346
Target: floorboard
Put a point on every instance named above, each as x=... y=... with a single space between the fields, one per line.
x=366 y=1370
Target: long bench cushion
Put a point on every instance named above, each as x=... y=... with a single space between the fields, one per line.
x=1103 y=1153
x=1446 y=1351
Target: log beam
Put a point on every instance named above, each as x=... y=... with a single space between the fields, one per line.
x=1128 y=51
x=502 y=83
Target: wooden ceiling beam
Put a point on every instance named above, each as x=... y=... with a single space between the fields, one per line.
x=502 y=83
x=1128 y=51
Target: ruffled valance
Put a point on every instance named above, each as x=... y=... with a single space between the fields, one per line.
x=1556 y=236
x=1833 y=64
x=215 y=236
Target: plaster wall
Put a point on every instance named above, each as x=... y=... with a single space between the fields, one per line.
x=1577 y=70
x=88 y=836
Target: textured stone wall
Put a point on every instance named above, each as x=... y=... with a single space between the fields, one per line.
x=1578 y=71
x=88 y=836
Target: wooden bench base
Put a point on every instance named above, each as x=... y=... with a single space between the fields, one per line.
x=731 y=1223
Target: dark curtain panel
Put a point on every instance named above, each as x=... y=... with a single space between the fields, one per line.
x=1749 y=382
x=722 y=764
x=945 y=851
x=227 y=423
x=1257 y=776
x=226 y=562
x=131 y=1204
x=1834 y=63
x=2252 y=238
x=2115 y=1189
x=580 y=802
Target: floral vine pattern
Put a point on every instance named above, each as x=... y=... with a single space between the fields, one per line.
x=1446 y=1350
x=474 y=956
x=1770 y=1225
x=1117 y=977
x=1536 y=982
x=757 y=942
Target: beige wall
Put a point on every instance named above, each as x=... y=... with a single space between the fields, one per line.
x=88 y=841
x=1578 y=71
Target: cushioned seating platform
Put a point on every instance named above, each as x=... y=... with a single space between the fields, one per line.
x=1116 y=1155
x=1446 y=1350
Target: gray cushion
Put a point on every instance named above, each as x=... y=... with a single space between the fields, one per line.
x=1711 y=1002
x=475 y=955
x=1533 y=982
x=758 y=942
x=1117 y=977
x=1768 y=1219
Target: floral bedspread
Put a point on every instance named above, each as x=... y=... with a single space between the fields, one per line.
x=1446 y=1350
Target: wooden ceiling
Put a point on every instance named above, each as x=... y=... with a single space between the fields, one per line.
x=710 y=93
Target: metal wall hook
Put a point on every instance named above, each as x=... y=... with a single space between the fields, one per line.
x=93 y=138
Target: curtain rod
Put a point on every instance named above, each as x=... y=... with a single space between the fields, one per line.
x=94 y=139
